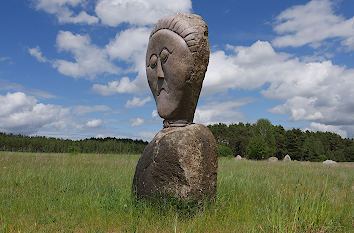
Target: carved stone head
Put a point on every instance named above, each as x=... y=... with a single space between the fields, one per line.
x=176 y=61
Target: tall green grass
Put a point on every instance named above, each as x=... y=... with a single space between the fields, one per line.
x=92 y=193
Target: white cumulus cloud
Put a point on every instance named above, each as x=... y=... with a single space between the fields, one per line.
x=215 y=112
x=115 y=87
x=138 y=12
x=128 y=46
x=136 y=121
x=327 y=128
x=154 y=114
x=94 y=123
x=320 y=91
x=37 y=53
x=313 y=23
x=244 y=67
x=63 y=10
x=89 y=59
x=20 y=113
x=137 y=102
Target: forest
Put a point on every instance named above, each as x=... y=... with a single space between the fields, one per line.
x=21 y=143
x=263 y=140
x=258 y=141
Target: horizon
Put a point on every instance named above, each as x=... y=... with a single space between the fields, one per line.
x=75 y=69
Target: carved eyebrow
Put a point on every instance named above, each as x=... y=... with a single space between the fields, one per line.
x=170 y=51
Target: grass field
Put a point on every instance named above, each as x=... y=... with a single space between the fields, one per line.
x=92 y=193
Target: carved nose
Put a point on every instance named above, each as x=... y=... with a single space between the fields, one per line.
x=160 y=73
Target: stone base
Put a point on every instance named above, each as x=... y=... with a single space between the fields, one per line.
x=180 y=162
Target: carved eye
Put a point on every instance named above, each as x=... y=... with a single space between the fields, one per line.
x=153 y=61
x=164 y=55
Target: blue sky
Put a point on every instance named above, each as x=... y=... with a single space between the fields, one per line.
x=75 y=68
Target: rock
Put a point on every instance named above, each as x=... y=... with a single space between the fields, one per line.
x=329 y=162
x=272 y=159
x=179 y=162
x=238 y=157
x=287 y=158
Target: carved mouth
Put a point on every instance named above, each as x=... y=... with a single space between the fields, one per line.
x=159 y=92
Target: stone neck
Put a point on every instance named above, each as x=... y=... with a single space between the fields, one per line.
x=176 y=123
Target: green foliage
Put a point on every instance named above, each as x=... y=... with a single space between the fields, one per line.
x=74 y=149
x=349 y=151
x=263 y=140
x=258 y=148
x=322 y=157
x=92 y=193
x=20 y=143
x=224 y=151
x=263 y=128
x=313 y=149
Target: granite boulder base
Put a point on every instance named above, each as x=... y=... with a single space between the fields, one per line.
x=180 y=162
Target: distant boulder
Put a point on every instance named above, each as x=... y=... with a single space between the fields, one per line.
x=273 y=159
x=238 y=157
x=287 y=158
x=329 y=162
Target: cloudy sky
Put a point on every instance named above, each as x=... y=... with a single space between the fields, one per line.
x=75 y=68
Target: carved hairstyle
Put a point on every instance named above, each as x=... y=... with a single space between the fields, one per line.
x=194 y=32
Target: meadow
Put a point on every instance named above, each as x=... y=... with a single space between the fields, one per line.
x=92 y=193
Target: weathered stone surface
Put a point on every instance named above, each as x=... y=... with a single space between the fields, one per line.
x=287 y=158
x=272 y=159
x=179 y=161
x=329 y=162
x=238 y=157
x=177 y=58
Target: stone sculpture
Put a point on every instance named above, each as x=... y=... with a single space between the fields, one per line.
x=181 y=160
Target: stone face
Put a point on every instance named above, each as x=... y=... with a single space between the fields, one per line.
x=176 y=61
x=329 y=162
x=272 y=159
x=179 y=162
x=287 y=158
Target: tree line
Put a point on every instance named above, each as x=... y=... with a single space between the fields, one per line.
x=21 y=143
x=263 y=140
x=254 y=141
